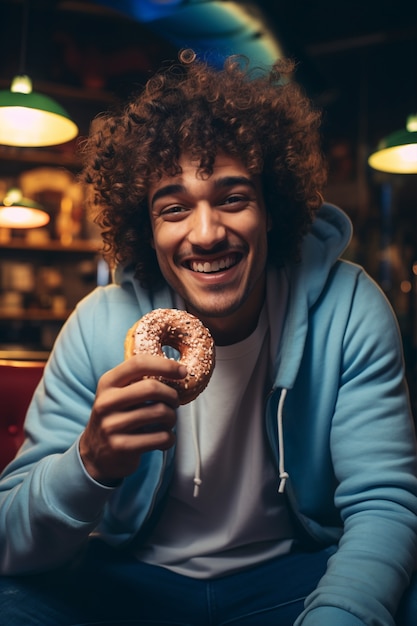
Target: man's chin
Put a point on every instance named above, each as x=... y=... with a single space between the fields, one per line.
x=213 y=310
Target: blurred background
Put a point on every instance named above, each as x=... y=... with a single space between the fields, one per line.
x=356 y=59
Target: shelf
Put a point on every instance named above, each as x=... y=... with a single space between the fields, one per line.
x=12 y=158
x=35 y=315
x=22 y=354
x=81 y=246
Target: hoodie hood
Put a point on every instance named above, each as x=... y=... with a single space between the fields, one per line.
x=162 y=298
x=328 y=237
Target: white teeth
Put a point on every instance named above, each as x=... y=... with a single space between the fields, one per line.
x=215 y=266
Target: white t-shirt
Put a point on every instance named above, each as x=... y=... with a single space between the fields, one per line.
x=238 y=518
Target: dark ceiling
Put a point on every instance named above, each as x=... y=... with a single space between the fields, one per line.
x=357 y=58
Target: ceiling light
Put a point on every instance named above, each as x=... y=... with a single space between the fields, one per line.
x=28 y=118
x=19 y=212
x=397 y=153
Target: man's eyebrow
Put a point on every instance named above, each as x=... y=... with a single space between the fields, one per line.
x=230 y=181
x=220 y=183
x=166 y=191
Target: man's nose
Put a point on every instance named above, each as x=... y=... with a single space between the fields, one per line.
x=207 y=228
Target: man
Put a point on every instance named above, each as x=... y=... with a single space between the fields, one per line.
x=207 y=187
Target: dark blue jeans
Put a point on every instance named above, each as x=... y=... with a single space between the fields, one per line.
x=109 y=589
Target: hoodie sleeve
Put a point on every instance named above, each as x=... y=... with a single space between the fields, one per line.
x=48 y=503
x=373 y=453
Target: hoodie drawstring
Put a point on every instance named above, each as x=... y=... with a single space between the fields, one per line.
x=197 y=471
x=283 y=475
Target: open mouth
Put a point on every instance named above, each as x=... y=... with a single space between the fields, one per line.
x=212 y=267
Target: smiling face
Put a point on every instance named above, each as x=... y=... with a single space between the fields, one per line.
x=210 y=238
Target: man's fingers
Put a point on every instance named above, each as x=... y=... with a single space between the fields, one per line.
x=149 y=418
x=141 y=365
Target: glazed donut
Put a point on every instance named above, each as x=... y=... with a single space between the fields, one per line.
x=186 y=334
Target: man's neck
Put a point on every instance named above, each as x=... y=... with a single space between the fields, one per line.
x=236 y=326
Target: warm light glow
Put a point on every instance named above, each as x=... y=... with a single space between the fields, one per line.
x=22 y=126
x=397 y=153
x=14 y=196
x=397 y=160
x=30 y=119
x=22 y=217
x=411 y=123
x=20 y=212
x=405 y=286
x=21 y=84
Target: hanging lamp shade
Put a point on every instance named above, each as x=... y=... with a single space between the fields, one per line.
x=30 y=119
x=397 y=153
x=19 y=212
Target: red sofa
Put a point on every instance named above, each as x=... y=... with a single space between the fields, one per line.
x=18 y=380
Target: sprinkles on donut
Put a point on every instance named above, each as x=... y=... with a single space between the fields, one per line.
x=184 y=333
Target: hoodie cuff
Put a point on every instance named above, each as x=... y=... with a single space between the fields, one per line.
x=74 y=492
x=328 y=616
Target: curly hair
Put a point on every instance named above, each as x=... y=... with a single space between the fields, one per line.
x=262 y=118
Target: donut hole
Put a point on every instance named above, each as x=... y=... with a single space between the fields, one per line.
x=171 y=353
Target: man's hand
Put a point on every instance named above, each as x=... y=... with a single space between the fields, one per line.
x=130 y=415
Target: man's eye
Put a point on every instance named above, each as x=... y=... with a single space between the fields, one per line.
x=234 y=199
x=172 y=210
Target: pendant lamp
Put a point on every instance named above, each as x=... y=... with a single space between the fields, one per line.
x=19 y=212
x=397 y=153
x=30 y=119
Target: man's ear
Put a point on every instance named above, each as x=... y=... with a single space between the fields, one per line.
x=269 y=223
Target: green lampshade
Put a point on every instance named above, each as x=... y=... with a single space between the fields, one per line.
x=30 y=119
x=17 y=211
x=397 y=153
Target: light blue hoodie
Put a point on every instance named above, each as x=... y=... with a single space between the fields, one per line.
x=347 y=441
